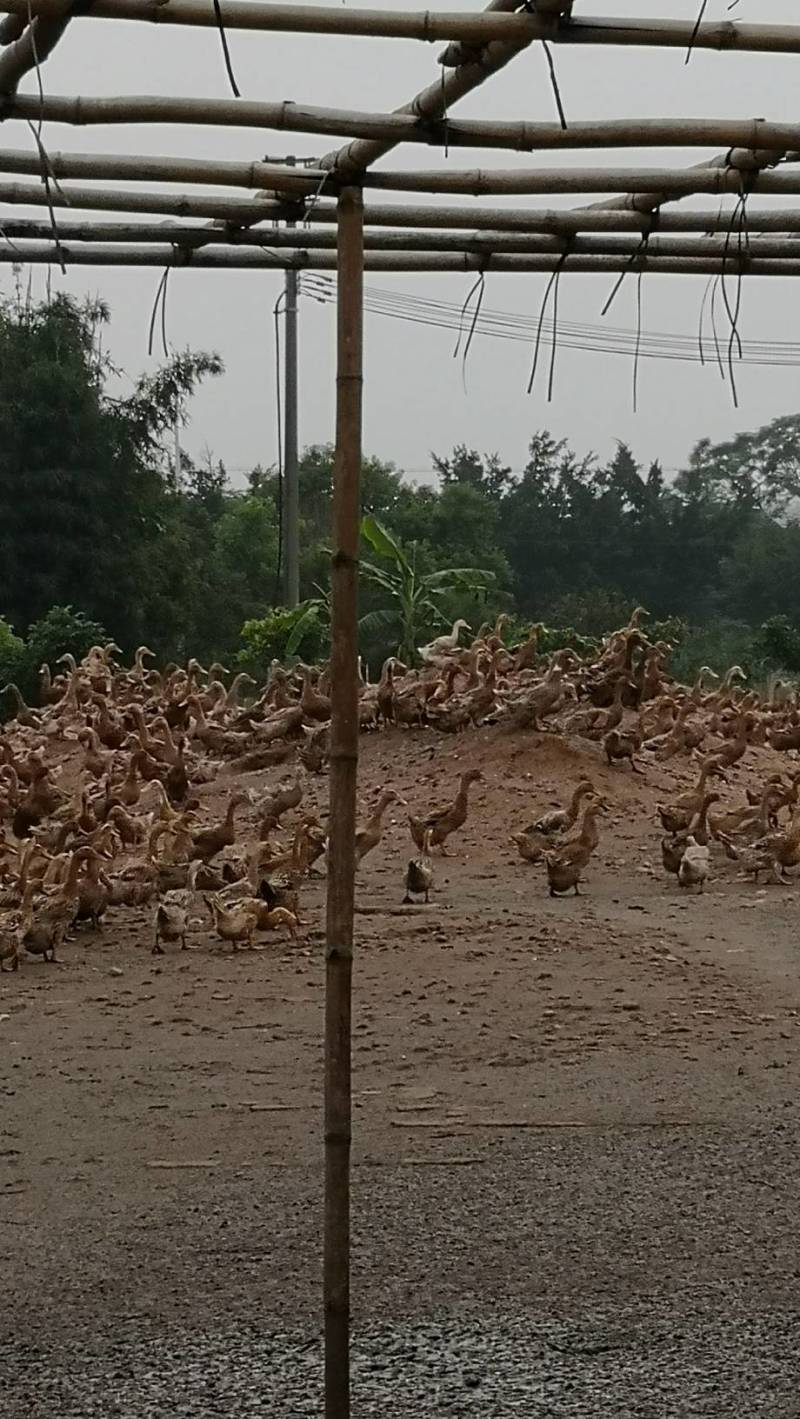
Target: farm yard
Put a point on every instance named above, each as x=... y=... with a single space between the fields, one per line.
x=575 y=1117
x=525 y=1141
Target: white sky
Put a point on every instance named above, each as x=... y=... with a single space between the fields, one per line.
x=414 y=397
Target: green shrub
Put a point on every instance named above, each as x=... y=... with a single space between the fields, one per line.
x=301 y=633
x=61 y=631
x=12 y=657
x=720 y=645
x=780 y=642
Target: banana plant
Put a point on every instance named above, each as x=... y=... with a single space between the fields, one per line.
x=413 y=598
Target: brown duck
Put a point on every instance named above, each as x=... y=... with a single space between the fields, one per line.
x=445 y=821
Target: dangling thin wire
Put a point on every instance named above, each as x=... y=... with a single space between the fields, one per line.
x=700 y=323
x=639 y=275
x=473 y=323
x=226 y=54
x=47 y=166
x=465 y=307
x=160 y=299
x=698 y=22
x=538 y=340
x=554 y=345
x=714 y=331
x=562 y=117
x=537 y=343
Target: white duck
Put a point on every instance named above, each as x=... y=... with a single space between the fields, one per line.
x=694 y=865
x=444 y=645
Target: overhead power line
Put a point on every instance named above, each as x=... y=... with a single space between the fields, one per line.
x=575 y=335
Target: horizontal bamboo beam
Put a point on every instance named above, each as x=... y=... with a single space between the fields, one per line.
x=749 y=134
x=291 y=239
x=478 y=182
x=671 y=182
x=245 y=212
x=246 y=258
x=141 y=168
x=169 y=204
x=429 y=25
x=564 y=221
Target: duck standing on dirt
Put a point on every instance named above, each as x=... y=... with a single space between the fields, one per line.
x=695 y=864
x=566 y=862
x=444 y=821
x=560 y=820
x=419 y=873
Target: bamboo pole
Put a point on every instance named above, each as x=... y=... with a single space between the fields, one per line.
x=426 y=25
x=342 y=813
x=243 y=212
x=189 y=239
x=141 y=168
x=263 y=259
x=29 y=44
x=429 y=25
x=477 y=182
x=229 y=208
x=665 y=183
x=748 y=134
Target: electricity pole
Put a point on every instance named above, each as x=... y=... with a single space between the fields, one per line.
x=291 y=477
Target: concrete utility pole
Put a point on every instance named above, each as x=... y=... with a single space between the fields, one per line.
x=291 y=491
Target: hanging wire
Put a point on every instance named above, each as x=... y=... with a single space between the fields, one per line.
x=695 y=32
x=734 y=342
x=479 y=286
x=703 y=303
x=638 y=345
x=554 y=346
x=465 y=307
x=714 y=331
x=226 y=54
x=47 y=167
x=160 y=301
x=542 y=311
x=634 y=257
x=562 y=117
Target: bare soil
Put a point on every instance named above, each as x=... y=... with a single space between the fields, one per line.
x=578 y=1112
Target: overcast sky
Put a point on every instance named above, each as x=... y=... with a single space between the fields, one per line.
x=415 y=400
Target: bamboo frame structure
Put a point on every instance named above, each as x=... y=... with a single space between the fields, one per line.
x=220 y=213
x=664 y=183
x=342 y=818
x=428 y=26
x=240 y=213
x=188 y=239
x=748 y=134
x=228 y=258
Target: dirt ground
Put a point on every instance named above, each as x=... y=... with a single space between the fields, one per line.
x=575 y=1112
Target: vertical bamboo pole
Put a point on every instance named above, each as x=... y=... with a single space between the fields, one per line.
x=342 y=820
x=291 y=470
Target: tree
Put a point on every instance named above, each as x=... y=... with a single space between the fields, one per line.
x=414 y=598
x=82 y=475
x=467 y=467
x=754 y=471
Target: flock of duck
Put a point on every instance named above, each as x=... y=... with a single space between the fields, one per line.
x=107 y=789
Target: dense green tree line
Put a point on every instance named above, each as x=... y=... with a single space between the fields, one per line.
x=94 y=515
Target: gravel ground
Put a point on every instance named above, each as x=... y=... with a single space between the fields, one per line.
x=512 y=1364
